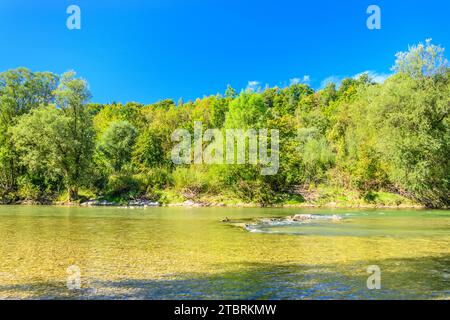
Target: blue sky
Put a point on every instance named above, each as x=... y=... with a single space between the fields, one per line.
x=147 y=50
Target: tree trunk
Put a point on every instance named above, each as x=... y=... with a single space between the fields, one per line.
x=73 y=193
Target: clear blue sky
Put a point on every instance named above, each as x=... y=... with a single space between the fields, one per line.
x=147 y=50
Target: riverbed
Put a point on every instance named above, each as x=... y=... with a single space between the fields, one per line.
x=189 y=253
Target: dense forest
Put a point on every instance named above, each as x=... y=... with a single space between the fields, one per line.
x=358 y=141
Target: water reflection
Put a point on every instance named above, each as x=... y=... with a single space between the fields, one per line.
x=167 y=253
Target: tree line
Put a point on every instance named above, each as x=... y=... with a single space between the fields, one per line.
x=356 y=135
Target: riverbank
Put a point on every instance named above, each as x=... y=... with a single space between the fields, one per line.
x=193 y=204
x=221 y=205
x=312 y=198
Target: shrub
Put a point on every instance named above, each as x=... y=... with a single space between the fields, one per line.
x=123 y=185
x=191 y=181
x=27 y=190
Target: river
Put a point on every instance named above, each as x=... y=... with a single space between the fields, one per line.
x=188 y=253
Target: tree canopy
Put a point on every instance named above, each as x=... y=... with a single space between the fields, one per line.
x=356 y=135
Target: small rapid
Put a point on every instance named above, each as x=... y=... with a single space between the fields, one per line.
x=291 y=224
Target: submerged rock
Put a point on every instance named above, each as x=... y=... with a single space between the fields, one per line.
x=287 y=224
x=189 y=203
x=302 y=217
x=310 y=217
x=131 y=204
x=98 y=203
x=143 y=203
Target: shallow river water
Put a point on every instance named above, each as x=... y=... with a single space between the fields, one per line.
x=188 y=253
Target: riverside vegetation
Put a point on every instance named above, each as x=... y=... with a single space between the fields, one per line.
x=354 y=143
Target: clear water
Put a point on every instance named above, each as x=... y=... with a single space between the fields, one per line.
x=188 y=253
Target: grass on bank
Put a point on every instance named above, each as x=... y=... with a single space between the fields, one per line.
x=321 y=196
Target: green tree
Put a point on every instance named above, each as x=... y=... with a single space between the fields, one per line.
x=20 y=91
x=116 y=144
x=148 y=151
x=422 y=60
x=43 y=141
x=48 y=145
x=72 y=96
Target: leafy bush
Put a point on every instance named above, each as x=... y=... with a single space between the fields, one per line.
x=192 y=181
x=27 y=190
x=123 y=185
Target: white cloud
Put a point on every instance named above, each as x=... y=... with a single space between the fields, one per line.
x=374 y=76
x=294 y=81
x=306 y=79
x=332 y=79
x=253 y=85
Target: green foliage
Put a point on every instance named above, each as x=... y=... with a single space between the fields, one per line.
x=41 y=139
x=116 y=144
x=191 y=181
x=27 y=189
x=317 y=158
x=153 y=180
x=122 y=185
x=58 y=141
x=20 y=92
x=355 y=143
x=246 y=111
x=422 y=60
x=104 y=115
x=246 y=182
x=148 y=151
